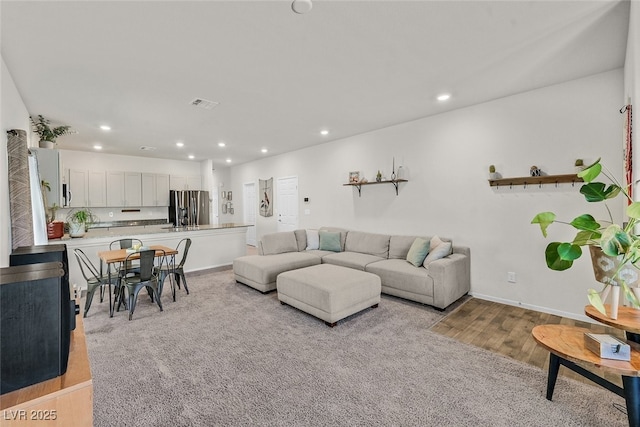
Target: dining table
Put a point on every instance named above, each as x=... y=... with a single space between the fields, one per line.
x=116 y=256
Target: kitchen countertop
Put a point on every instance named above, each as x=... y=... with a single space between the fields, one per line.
x=149 y=229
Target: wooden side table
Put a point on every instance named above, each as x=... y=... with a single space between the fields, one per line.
x=628 y=320
x=566 y=347
x=64 y=401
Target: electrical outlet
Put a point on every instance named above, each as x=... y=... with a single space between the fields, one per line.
x=511 y=277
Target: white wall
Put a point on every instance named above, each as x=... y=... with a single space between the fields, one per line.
x=447 y=158
x=13 y=115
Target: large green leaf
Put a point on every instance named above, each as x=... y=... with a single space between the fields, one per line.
x=585 y=222
x=569 y=252
x=596 y=301
x=589 y=173
x=544 y=219
x=586 y=237
x=631 y=297
x=553 y=258
x=615 y=241
x=598 y=191
x=633 y=210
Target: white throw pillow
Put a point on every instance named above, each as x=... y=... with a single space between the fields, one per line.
x=438 y=249
x=313 y=240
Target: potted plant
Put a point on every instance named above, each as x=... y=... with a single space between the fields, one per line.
x=492 y=172
x=48 y=135
x=579 y=165
x=614 y=248
x=79 y=220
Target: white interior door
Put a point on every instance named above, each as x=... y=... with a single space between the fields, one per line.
x=287 y=203
x=249 y=211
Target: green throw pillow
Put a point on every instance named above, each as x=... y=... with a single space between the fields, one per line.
x=418 y=251
x=330 y=241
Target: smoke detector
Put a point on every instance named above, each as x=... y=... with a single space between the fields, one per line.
x=147 y=148
x=204 y=103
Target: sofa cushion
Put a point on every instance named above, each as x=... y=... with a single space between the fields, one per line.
x=277 y=243
x=313 y=240
x=367 y=243
x=330 y=241
x=342 y=231
x=301 y=239
x=418 y=251
x=351 y=259
x=319 y=253
x=399 y=274
x=438 y=249
x=261 y=271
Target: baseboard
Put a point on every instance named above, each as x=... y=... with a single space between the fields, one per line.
x=560 y=313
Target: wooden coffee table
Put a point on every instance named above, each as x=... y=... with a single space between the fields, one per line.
x=566 y=347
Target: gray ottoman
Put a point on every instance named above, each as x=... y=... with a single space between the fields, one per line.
x=329 y=292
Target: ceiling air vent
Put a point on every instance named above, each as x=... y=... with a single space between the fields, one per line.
x=147 y=148
x=204 y=103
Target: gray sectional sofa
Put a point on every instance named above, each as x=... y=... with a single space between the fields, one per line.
x=439 y=284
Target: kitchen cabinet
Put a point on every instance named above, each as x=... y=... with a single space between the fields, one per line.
x=181 y=182
x=96 y=189
x=115 y=189
x=132 y=189
x=124 y=189
x=78 y=188
x=155 y=189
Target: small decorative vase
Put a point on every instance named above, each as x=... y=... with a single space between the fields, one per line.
x=400 y=174
x=46 y=144
x=76 y=229
x=493 y=175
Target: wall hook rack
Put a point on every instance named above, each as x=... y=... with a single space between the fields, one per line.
x=540 y=180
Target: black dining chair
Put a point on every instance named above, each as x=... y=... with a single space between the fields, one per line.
x=176 y=270
x=127 y=243
x=131 y=284
x=93 y=278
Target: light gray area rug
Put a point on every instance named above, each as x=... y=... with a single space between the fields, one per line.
x=227 y=355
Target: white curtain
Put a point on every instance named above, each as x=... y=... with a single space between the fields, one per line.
x=37 y=205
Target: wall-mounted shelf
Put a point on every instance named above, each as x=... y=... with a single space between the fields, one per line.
x=535 y=180
x=359 y=185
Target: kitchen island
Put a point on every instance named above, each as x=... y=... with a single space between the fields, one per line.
x=211 y=245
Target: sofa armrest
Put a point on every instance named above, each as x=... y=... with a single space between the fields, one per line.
x=451 y=278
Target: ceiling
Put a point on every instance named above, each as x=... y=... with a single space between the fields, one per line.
x=279 y=77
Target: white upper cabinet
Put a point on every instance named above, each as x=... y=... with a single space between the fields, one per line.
x=181 y=182
x=155 y=189
x=78 y=188
x=97 y=189
x=115 y=189
x=132 y=189
x=124 y=189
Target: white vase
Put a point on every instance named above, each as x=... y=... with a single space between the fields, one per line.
x=76 y=229
x=615 y=301
x=46 y=144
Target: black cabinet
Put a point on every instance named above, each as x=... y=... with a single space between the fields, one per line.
x=36 y=316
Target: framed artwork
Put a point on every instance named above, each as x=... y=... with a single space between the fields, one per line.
x=224 y=195
x=231 y=211
x=265 y=188
x=229 y=195
x=224 y=208
x=354 y=177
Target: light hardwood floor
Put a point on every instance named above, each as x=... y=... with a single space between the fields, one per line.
x=506 y=330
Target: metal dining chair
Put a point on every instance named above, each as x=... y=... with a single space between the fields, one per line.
x=93 y=278
x=176 y=270
x=131 y=284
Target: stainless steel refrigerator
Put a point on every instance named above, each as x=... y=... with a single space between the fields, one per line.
x=188 y=208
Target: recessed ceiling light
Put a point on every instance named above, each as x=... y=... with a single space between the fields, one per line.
x=324 y=132
x=97 y=147
x=228 y=160
x=444 y=97
x=264 y=150
x=301 y=6
x=105 y=127
x=221 y=144
x=191 y=156
x=180 y=144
